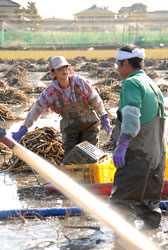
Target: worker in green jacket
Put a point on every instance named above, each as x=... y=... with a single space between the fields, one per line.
x=140 y=153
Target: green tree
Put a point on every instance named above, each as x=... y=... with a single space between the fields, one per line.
x=32 y=10
x=124 y=10
x=138 y=8
x=133 y=9
x=29 y=15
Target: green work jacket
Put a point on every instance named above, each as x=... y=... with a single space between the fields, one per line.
x=136 y=91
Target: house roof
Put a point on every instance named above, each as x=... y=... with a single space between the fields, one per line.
x=161 y=11
x=8 y=3
x=94 y=10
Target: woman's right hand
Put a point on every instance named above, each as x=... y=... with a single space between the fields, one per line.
x=18 y=135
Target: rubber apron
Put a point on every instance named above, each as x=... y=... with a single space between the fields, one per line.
x=79 y=123
x=139 y=183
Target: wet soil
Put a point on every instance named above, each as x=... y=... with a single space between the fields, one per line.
x=21 y=82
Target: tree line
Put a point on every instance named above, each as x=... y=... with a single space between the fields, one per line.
x=31 y=11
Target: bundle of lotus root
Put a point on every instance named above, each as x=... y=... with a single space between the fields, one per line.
x=46 y=142
x=6 y=114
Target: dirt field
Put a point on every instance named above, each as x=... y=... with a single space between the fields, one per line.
x=21 y=82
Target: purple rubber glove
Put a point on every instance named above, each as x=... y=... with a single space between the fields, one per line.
x=120 y=151
x=18 y=135
x=106 y=123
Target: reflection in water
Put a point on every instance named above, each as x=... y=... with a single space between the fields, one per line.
x=52 y=232
x=8 y=194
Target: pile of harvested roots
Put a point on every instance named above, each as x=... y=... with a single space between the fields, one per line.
x=12 y=96
x=6 y=114
x=46 y=142
x=4 y=150
x=16 y=75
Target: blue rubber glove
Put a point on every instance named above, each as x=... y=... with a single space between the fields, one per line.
x=18 y=135
x=106 y=123
x=120 y=151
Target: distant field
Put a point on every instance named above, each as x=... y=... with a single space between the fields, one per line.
x=71 y=54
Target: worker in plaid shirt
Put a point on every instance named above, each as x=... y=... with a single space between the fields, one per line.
x=78 y=103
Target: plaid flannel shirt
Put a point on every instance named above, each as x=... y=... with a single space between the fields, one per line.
x=49 y=97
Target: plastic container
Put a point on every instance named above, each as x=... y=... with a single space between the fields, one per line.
x=84 y=153
x=100 y=172
x=104 y=171
x=166 y=170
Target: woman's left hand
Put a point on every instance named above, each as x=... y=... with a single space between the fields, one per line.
x=106 y=123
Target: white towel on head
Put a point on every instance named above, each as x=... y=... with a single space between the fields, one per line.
x=122 y=55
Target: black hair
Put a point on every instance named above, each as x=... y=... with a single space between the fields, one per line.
x=136 y=62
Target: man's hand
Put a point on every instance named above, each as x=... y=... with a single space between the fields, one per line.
x=120 y=151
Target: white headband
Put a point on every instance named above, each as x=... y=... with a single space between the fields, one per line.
x=122 y=55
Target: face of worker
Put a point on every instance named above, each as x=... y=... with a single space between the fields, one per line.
x=123 y=69
x=61 y=73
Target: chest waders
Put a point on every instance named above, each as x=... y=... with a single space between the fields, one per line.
x=138 y=185
x=79 y=123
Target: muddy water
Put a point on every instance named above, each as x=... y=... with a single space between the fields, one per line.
x=52 y=233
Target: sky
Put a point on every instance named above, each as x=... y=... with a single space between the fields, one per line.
x=66 y=8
